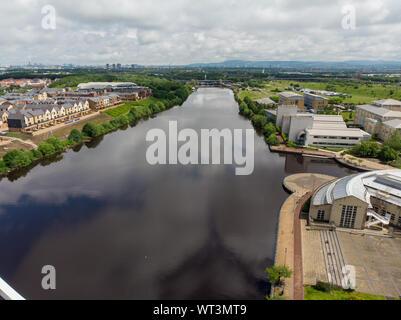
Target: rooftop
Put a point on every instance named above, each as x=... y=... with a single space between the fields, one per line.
x=290 y=95
x=388 y=102
x=385 y=184
x=382 y=112
x=395 y=123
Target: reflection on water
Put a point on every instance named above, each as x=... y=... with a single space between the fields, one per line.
x=116 y=227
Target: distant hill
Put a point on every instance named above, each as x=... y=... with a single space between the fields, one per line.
x=300 y=64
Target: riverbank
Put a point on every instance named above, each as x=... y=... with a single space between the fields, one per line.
x=289 y=238
x=349 y=161
x=15 y=160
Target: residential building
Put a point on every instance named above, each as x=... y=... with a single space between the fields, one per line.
x=309 y=129
x=315 y=102
x=103 y=102
x=30 y=118
x=359 y=201
x=291 y=98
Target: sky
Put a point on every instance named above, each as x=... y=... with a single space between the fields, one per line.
x=177 y=32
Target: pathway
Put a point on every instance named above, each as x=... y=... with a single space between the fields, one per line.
x=289 y=236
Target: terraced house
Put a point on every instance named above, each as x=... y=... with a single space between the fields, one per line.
x=33 y=117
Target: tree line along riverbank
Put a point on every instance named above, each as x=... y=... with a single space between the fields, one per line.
x=167 y=94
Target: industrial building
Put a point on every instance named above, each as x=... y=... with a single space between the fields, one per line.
x=307 y=129
x=359 y=201
x=315 y=102
x=381 y=118
x=291 y=98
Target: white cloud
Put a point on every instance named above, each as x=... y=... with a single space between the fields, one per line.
x=180 y=32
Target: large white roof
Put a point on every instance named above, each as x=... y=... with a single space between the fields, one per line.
x=101 y=85
x=384 y=184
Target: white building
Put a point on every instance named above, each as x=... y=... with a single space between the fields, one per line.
x=317 y=130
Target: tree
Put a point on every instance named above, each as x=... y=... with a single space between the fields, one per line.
x=3 y=167
x=56 y=143
x=269 y=129
x=46 y=149
x=17 y=159
x=92 y=130
x=395 y=141
x=259 y=121
x=275 y=273
x=75 y=136
x=367 y=149
x=272 y=140
x=388 y=154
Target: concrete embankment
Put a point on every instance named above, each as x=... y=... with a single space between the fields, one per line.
x=289 y=242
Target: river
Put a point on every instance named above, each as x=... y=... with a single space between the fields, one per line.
x=115 y=227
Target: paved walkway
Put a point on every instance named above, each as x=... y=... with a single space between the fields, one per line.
x=289 y=237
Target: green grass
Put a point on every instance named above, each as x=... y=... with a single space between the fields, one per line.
x=144 y=102
x=254 y=94
x=359 y=92
x=18 y=135
x=118 y=111
x=127 y=106
x=337 y=294
x=348 y=116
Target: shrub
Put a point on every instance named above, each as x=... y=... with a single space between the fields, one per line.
x=92 y=130
x=276 y=272
x=291 y=144
x=367 y=149
x=322 y=286
x=75 y=136
x=56 y=143
x=272 y=140
x=259 y=121
x=36 y=154
x=3 y=167
x=17 y=159
x=46 y=149
x=388 y=154
x=269 y=129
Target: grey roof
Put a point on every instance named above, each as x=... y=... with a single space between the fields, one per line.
x=360 y=186
x=388 y=102
x=265 y=101
x=290 y=95
x=380 y=111
x=394 y=124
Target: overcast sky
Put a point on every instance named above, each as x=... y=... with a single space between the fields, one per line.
x=181 y=32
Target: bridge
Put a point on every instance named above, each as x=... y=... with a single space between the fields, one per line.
x=214 y=83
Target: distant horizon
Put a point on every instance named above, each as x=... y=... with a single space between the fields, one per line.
x=210 y=63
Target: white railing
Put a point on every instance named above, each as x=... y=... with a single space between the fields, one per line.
x=8 y=293
x=378 y=219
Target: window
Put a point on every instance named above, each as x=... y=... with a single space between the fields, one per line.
x=320 y=215
x=376 y=209
x=399 y=221
x=348 y=216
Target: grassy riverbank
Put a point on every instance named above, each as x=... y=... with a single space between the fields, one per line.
x=125 y=115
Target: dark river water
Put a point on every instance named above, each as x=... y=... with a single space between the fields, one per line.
x=115 y=227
